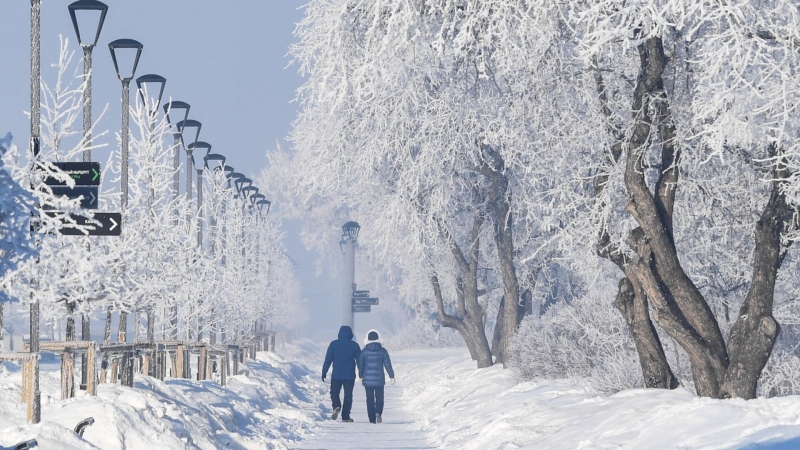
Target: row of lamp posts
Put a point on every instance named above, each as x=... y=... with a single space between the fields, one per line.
x=87 y=18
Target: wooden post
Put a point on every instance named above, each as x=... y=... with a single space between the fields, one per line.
x=67 y=375
x=223 y=370
x=30 y=389
x=114 y=367
x=201 y=364
x=26 y=373
x=90 y=359
x=179 y=361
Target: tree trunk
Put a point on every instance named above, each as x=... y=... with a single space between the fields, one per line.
x=632 y=303
x=755 y=331
x=476 y=342
x=497 y=335
x=499 y=207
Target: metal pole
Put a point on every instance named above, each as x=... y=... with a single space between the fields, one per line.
x=176 y=181
x=199 y=243
x=122 y=333
x=87 y=103
x=125 y=138
x=349 y=279
x=87 y=157
x=35 y=411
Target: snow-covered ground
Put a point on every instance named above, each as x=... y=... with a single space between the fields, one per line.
x=440 y=399
x=270 y=405
x=465 y=408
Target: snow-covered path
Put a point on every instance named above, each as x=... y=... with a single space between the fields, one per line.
x=398 y=430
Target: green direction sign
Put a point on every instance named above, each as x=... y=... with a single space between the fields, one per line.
x=110 y=224
x=365 y=300
x=88 y=194
x=362 y=308
x=84 y=173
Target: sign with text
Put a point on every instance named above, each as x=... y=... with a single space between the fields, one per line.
x=88 y=193
x=362 y=308
x=84 y=173
x=360 y=293
x=110 y=224
x=365 y=300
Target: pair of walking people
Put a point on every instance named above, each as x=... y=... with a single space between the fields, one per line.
x=346 y=356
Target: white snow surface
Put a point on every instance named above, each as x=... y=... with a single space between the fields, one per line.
x=440 y=401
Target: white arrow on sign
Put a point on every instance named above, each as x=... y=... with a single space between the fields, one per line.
x=94 y=199
x=114 y=222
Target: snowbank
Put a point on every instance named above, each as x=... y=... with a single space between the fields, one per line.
x=464 y=408
x=269 y=405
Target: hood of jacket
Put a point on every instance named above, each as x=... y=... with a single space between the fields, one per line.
x=345 y=333
x=367 y=341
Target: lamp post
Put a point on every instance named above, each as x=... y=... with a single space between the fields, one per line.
x=35 y=404
x=350 y=237
x=176 y=109
x=92 y=14
x=216 y=163
x=148 y=85
x=182 y=126
x=125 y=76
x=85 y=12
x=199 y=168
x=173 y=109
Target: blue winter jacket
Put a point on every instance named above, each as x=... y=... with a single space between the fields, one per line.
x=343 y=353
x=371 y=363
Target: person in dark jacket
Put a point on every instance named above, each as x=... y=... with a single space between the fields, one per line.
x=373 y=359
x=343 y=354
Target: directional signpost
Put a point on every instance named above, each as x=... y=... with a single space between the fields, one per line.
x=361 y=308
x=110 y=224
x=365 y=300
x=84 y=173
x=87 y=181
x=360 y=294
x=88 y=194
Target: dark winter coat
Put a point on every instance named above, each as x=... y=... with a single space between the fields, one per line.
x=371 y=363
x=343 y=354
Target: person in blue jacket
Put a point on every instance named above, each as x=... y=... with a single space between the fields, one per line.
x=373 y=359
x=343 y=354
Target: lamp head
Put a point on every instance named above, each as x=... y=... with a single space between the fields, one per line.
x=88 y=13
x=188 y=123
x=350 y=230
x=148 y=85
x=217 y=161
x=261 y=204
x=125 y=46
x=176 y=109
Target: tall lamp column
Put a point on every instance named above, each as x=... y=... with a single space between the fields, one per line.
x=125 y=76
x=349 y=239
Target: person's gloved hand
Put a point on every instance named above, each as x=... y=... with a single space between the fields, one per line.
x=391 y=380
x=323 y=377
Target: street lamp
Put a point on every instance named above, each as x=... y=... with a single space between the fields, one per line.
x=88 y=13
x=261 y=204
x=176 y=109
x=350 y=230
x=125 y=47
x=91 y=14
x=199 y=167
x=349 y=236
x=182 y=126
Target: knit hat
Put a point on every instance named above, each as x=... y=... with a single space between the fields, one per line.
x=373 y=336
